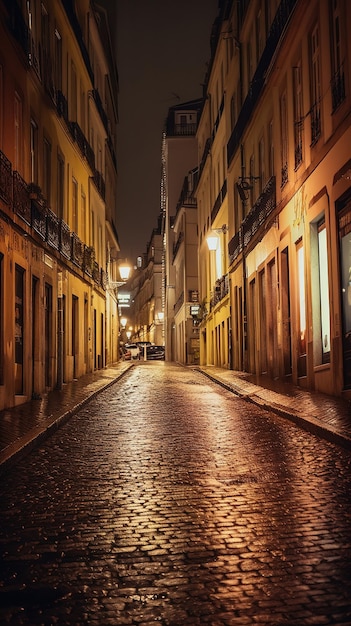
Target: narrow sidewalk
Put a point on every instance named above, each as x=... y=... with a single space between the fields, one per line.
x=326 y=416
x=22 y=427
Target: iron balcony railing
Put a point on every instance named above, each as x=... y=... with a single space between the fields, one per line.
x=254 y=220
x=220 y=290
x=5 y=179
x=27 y=202
x=338 y=88
x=219 y=201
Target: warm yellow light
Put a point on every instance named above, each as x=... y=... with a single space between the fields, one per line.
x=129 y=334
x=212 y=242
x=124 y=271
x=123 y=322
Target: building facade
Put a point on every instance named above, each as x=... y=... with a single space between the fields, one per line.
x=145 y=315
x=185 y=263
x=274 y=185
x=57 y=123
x=179 y=156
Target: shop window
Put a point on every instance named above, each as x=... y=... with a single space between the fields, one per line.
x=1 y=321
x=324 y=292
x=301 y=303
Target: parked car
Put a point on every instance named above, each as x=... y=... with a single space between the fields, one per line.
x=134 y=350
x=126 y=354
x=155 y=352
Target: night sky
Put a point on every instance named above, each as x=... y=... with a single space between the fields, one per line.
x=163 y=49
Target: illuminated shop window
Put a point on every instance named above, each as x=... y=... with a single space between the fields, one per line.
x=324 y=292
x=301 y=299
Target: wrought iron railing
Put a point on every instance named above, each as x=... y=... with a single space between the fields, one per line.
x=5 y=179
x=21 y=201
x=254 y=220
x=219 y=201
x=220 y=290
x=338 y=87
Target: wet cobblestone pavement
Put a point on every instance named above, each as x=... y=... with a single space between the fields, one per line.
x=168 y=499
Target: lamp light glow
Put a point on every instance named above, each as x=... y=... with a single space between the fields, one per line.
x=212 y=242
x=124 y=271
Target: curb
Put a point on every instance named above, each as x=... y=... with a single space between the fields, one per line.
x=311 y=425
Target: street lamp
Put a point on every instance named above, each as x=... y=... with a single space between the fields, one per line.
x=213 y=239
x=123 y=322
x=124 y=271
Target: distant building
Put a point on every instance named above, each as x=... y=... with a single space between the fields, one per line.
x=146 y=312
x=179 y=156
x=185 y=264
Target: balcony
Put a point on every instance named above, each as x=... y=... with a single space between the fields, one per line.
x=99 y=183
x=220 y=290
x=219 y=201
x=254 y=220
x=178 y=244
x=77 y=251
x=89 y=259
x=181 y=130
x=65 y=240
x=62 y=106
x=21 y=201
x=338 y=88
x=53 y=230
x=83 y=144
x=98 y=102
x=39 y=216
x=5 y=179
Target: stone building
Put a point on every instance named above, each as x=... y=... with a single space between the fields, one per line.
x=274 y=188
x=58 y=243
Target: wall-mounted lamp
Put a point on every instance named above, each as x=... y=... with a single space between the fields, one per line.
x=212 y=238
x=123 y=322
x=124 y=271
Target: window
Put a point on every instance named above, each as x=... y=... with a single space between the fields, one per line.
x=1 y=105
x=315 y=86
x=1 y=321
x=34 y=151
x=284 y=139
x=19 y=328
x=324 y=292
x=298 y=113
x=58 y=60
x=261 y=165
x=18 y=133
x=337 y=50
x=301 y=299
x=74 y=93
x=74 y=205
x=83 y=221
x=60 y=185
x=46 y=186
x=271 y=150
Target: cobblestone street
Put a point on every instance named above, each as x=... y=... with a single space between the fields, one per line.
x=168 y=500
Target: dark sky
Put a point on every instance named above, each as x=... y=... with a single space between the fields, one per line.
x=163 y=48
